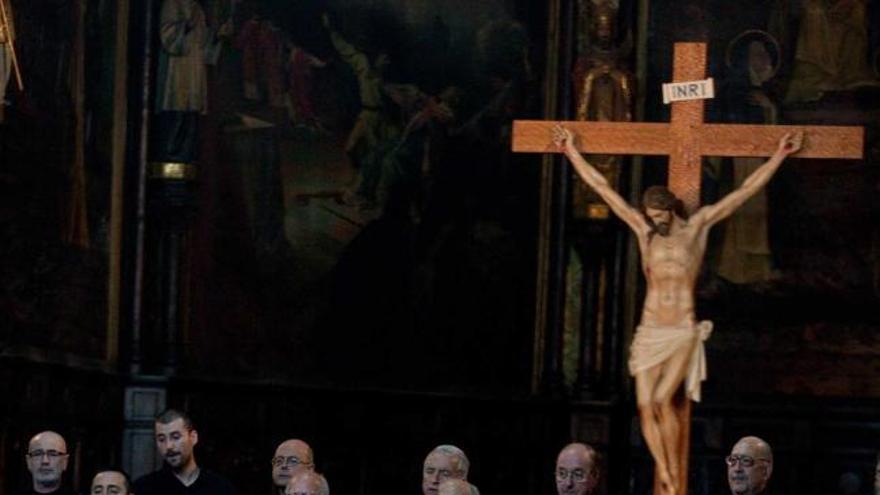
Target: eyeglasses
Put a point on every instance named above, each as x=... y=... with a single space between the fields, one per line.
x=743 y=460
x=51 y=454
x=291 y=461
x=578 y=475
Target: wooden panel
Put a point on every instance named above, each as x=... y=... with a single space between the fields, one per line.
x=613 y=138
x=762 y=140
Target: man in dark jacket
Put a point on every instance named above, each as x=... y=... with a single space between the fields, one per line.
x=176 y=439
x=47 y=460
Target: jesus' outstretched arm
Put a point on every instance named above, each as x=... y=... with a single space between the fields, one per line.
x=564 y=140
x=712 y=214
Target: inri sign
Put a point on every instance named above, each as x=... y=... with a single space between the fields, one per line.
x=688 y=90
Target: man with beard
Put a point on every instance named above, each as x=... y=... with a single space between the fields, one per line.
x=47 y=460
x=667 y=349
x=577 y=470
x=291 y=458
x=749 y=466
x=443 y=463
x=175 y=440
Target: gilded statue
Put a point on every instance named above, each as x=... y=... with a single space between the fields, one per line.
x=603 y=91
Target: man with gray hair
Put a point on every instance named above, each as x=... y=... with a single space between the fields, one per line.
x=307 y=483
x=443 y=463
x=749 y=466
x=47 y=460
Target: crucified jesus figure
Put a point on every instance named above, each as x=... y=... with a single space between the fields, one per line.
x=667 y=349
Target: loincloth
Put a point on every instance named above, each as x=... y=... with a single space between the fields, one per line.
x=653 y=345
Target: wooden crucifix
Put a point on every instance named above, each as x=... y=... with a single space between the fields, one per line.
x=667 y=350
x=686 y=139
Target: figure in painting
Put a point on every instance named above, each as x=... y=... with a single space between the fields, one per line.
x=832 y=50
x=182 y=85
x=667 y=350
x=603 y=90
x=260 y=42
x=752 y=58
x=367 y=132
x=220 y=15
x=416 y=153
x=300 y=107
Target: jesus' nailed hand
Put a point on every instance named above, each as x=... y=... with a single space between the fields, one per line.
x=667 y=349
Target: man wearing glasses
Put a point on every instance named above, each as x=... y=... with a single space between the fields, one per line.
x=749 y=466
x=291 y=458
x=577 y=470
x=180 y=475
x=47 y=461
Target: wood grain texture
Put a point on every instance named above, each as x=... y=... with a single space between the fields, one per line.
x=686 y=119
x=762 y=140
x=618 y=138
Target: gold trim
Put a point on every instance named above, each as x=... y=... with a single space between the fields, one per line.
x=173 y=171
x=597 y=211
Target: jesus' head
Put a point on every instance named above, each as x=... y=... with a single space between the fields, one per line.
x=659 y=206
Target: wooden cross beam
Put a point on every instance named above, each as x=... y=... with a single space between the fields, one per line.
x=686 y=139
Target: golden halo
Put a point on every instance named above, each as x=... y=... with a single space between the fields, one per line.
x=756 y=33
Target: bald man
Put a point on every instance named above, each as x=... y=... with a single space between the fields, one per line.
x=307 y=482
x=749 y=466
x=110 y=483
x=292 y=457
x=47 y=460
x=577 y=470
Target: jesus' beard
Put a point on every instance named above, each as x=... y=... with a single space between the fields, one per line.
x=659 y=228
